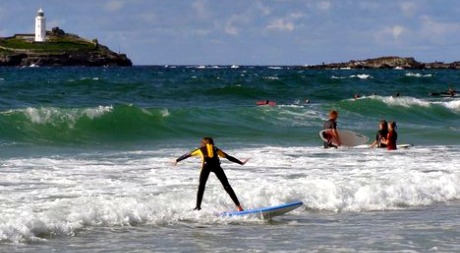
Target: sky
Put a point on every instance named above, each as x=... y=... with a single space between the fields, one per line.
x=251 y=32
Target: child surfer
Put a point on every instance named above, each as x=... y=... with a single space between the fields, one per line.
x=381 y=135
x=332 y=133
x=211 y=163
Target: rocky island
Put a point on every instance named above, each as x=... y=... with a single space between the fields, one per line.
x=388 y=62
x=59 y=49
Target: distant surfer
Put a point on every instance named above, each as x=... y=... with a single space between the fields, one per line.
x=381 y=135
x=331 y=134
x=211 y=163
x=266 y=102
x=451 y=92
x=392 y=136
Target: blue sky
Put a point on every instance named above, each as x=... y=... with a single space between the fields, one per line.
x=252 y=32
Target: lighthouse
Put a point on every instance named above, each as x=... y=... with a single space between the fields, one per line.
x=40 y=26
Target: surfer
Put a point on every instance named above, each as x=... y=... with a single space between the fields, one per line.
x=381 y=135
x=451 y=92
x=332 y=134
x=211 y=163
x=266 y=102
x=392 y=136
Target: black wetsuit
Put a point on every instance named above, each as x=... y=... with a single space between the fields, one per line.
x=381 y=134
x=211 y=163
x=332 y=125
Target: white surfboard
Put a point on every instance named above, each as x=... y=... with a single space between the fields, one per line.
x=404 y=146
x=348 y=138
x=266 y=212
x=399 y=146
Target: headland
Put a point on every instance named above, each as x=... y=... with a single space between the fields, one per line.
x=387 y=62
x=59 y=49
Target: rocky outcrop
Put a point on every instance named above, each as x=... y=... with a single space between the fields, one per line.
x=60 y=49
x=64 y=59
x=389 y=62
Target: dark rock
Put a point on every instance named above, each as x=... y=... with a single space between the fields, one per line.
x=388 y=62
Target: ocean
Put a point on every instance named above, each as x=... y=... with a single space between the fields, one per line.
x=86 y=160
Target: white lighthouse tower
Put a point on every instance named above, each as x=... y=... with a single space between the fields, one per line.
x=40 y=26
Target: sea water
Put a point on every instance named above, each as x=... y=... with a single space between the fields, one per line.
x=86 y=160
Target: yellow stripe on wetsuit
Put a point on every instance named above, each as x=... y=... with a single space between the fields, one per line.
x=210 y=149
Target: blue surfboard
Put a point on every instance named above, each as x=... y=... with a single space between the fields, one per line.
x=266 y=212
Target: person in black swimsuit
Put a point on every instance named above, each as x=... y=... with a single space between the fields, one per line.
x=211 y=163
x=332 y=134
x=381 y=135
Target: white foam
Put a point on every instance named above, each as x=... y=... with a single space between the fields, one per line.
x=58 y=195
x=453 y=105
x=53 y=115
x=361 y=76
x=403 y=101
x=418 y=75
x=96 y=112
x=411 y=101
x=272 y=78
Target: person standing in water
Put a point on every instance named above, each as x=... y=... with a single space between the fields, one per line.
x=332 y=134
x=211 y=163
x=392 y=136
x=381 y=135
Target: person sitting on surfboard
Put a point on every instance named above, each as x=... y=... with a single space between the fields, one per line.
x=381 y=135
x=266 y=102
x=392 y=136
x=450 y=92
x=211 y=163
x=332 y=134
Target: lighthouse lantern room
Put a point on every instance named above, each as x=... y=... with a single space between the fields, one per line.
x=40 y=26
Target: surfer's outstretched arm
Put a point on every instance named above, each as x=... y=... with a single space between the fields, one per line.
x=183 y=157
x=231 y=158
x=186 y=155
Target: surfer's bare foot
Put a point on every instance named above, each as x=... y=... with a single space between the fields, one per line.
x=197 y=208
x=240 y=209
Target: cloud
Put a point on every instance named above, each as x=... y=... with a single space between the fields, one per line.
x=200 y=8
x=281 y=25
x=114 y=6
x=434 y=30
x=230 y=28
x=285 y=24
x=296 y=15
x=391 y=33
x=238 y=22
x=246 y=17
x=408 y=8
x=369 y=6
x=148 y=17
x=395 y=31
x=201 y=32
x=324 y=5
x=263 y=9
